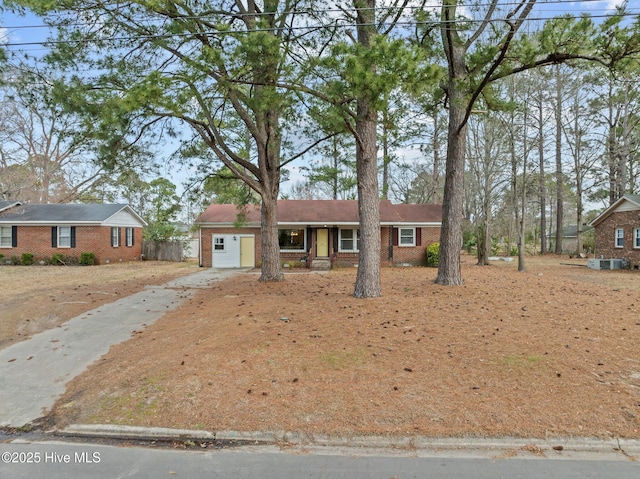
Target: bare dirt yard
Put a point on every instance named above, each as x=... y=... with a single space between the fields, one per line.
x=554 y=351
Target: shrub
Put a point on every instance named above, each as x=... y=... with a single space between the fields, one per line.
x=433 y=254
x=71 y=260
x=27 y=259
x=87 y=259
x=57 y=258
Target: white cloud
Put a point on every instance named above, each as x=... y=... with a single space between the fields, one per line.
x=4 y=36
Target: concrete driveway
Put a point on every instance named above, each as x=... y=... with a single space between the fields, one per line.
x=34 y=372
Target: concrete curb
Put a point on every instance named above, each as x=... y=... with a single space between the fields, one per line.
x=488 y=447
x=134 y=432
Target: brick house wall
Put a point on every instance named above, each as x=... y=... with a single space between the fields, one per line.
x=415 y=255
x=36 y=240
x=206 y=242
x=605 y=237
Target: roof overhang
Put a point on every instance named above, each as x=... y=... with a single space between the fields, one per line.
x=328 y=224
x=606 y=213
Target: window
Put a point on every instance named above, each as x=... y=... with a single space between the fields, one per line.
x=407 y=237
x=64 y=236
x=636 y=238
x=5 y=237
x=291 y=239
x=350 y=240
x=619 y=238
x=129 y=236
x=218 y=243
x=115 y=236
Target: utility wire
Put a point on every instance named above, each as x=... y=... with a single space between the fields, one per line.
x=214 y=33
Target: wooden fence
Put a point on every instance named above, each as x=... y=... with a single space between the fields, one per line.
x=163 y=250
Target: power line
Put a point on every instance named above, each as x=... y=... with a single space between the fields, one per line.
x=239 y=15
x=292 y=28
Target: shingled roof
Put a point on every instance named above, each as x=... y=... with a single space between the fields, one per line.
x=323 y=212
x=64 y=213
x=627 y=197
x=5 y=205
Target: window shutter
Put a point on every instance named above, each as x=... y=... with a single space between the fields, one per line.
x=14 y=236
x=133 y=236
x=73 y=236
x=54 y=236
x=395 y=236
x=418 y=236
x=119 y=236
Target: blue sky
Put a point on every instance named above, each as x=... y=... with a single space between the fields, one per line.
x=21 y=34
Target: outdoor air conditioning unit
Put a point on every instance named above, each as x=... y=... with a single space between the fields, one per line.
x=613 y=263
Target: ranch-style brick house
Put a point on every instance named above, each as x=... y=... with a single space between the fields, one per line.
x=618 y=231
x=112 y=232
x=320 y=234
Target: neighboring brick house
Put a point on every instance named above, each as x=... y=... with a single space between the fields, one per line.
x=320 y=233
x=113 y=233
x=618 y=231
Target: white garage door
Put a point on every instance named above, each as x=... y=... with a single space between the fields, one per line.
x=226 y=251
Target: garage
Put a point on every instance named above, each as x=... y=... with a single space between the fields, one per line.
x=233 y=251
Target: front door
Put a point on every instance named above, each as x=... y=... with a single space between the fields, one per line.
x=247 y=252
x=322 y=242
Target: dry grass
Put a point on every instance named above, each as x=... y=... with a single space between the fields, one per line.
x=35 y=298
x=549 y=352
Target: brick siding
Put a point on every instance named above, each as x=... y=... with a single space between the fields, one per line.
x=36 y=240
x=415 y=255
x=605 y=237
x=206 y=239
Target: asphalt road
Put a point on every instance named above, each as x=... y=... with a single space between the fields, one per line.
x=63 y=460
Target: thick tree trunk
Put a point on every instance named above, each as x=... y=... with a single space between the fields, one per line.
x=271 y=267
x=368 y=276
x=449 y=268
x=269 y=144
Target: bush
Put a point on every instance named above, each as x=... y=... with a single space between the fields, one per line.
x=71 y=260
x=27 y=259
x=57 y=258
x=87 y=259
x=433 y=254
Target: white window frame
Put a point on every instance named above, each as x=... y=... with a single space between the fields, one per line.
x=619 y=238
x=401 y=236
x=219 y=241
x=128 y=234
x=355 y=237
x=636 y=238
x=64 y=239
x=115 y=237
x=291 y=250
x=6 y=240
